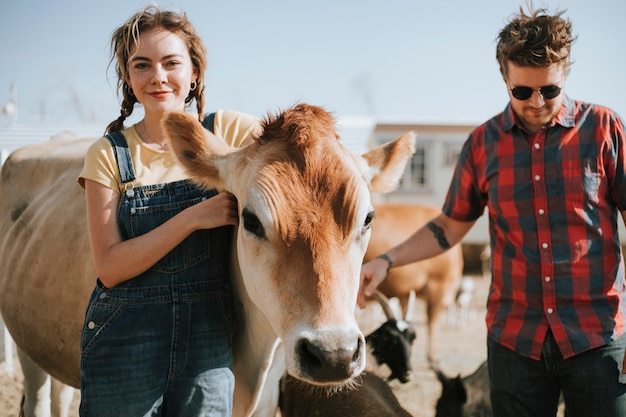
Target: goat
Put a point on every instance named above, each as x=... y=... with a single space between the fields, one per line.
x=469 y=396
x=464 y=397
x=391 y=343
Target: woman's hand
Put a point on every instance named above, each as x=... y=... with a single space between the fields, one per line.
x=219 y=210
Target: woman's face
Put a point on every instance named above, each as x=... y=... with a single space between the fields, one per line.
x=536 y=111
x=160 y=71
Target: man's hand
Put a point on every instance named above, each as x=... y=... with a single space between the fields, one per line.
x=372 y=274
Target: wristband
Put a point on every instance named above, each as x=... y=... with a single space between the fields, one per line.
x=386 y=258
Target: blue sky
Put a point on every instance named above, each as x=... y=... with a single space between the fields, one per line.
x=414 y=59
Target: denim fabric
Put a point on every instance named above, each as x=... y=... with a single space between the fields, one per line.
x=159 y=344
x=591 y=382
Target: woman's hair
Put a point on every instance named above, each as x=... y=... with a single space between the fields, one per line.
x=126 y=37
x=535 y=40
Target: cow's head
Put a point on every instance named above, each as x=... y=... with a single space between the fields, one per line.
x=304 y=226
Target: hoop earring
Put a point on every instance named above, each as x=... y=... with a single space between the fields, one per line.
x=129 y=89
x=193 y=85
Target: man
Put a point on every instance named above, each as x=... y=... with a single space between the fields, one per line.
x=551 y=172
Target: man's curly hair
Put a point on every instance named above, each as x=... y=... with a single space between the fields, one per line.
x=535 y=40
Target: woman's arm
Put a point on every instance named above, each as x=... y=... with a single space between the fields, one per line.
x=118 y=260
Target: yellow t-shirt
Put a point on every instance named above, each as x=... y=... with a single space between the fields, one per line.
x=154 y=166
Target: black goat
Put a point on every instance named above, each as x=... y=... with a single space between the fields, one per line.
x=469 y=396
x=465 y=397
x=391 y=343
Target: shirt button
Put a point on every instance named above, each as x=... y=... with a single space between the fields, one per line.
x=537 y=177
x=550 y=310
x=544 y=245
x=541 y=212
x=537 y=146
x=547 y=279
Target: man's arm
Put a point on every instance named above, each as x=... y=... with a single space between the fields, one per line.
x=432 y=239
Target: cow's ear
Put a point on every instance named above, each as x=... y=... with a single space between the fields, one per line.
x=387 y=163
x=197 y=149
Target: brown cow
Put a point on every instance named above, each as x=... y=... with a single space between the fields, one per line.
x=305 y=212
x=436 y=279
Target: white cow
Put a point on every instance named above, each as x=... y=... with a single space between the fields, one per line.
x=305 y=215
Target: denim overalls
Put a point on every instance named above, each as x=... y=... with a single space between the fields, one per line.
x=159 y=344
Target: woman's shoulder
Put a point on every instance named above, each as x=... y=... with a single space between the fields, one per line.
x=236 y=117
x=235 y=126
x=105 y=142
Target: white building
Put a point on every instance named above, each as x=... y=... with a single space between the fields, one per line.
x=18 y=135
x=427 y=176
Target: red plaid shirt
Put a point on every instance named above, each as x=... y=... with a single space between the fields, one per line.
x=553 y=201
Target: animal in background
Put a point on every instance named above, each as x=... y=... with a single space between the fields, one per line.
x=460 y=312
x=391 y=343
x=469 y=396
x=436 y=279
x=464 y=397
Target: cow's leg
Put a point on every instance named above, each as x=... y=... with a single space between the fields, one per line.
x=36 y=402
x=61 y=396
x=44 y=396
x=437 y=300
x=433 y=312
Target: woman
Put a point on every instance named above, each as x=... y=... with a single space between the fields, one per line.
x=156 y=337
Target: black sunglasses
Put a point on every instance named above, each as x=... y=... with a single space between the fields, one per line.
x=547 y=92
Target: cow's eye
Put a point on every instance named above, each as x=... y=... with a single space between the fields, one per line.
x=368 y=219
x=252 y=224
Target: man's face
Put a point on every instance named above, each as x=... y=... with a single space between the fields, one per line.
x=536 y=111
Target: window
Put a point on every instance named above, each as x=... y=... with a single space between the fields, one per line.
x=415 y=176
x=453 y=150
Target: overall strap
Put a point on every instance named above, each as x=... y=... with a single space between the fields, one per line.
x=122 y=156
x=209 y=122
x=122 y=152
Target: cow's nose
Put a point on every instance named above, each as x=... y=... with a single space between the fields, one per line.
x=330 y=366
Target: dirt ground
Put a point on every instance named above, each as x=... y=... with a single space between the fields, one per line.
x=461 y=346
